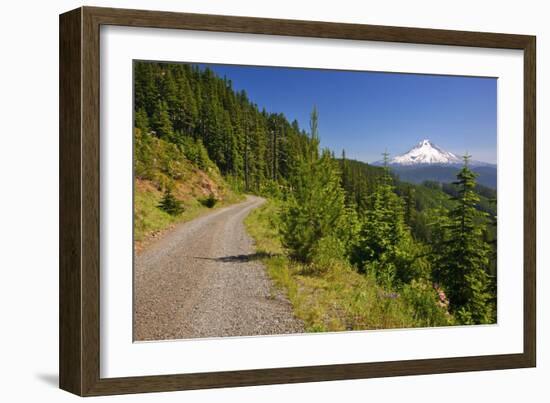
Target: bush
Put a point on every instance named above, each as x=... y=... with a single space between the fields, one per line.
x=383 y=271
x=170 y=204
x=423 y=304
x=329 y=253
x=272 y=190
x=209 y=201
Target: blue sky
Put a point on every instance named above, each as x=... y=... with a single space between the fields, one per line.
x=368 y=112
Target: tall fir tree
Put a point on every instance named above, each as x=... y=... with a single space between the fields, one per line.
x=378 y=247
x=315 y=208
x=462 y=255
x=141 y=121
x=161 y=122
x=186 y=110
x=410 y=205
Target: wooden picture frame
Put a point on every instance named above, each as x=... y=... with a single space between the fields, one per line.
x=79 y=348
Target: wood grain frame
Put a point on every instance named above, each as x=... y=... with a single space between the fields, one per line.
x=79 y=321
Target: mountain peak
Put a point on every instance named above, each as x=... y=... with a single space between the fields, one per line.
x=425 y=142
x=425 y=152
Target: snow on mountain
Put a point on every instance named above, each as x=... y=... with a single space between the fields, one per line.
x=426 y=161
x=426 y=152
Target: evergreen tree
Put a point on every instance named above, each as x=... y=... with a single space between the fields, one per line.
x=345 y=175
x=141 y=121
x=410 y=206
x=315 y=208
x=313 y=144
x=146 y=93
x=490 y=236
x=258 y=143
x=169 y=94
x=161 y=123
x=186 y=111
x=380 y=244
x=247 y=158
x=462 y=255
x=170 y=204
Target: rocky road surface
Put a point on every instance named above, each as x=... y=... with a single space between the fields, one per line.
x=204 y=279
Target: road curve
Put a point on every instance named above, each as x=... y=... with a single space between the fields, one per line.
x=204 y=279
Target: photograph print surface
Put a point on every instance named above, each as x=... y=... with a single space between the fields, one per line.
x=273 y=200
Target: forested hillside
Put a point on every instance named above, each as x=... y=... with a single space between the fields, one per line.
x=337 y=229
x=184 y=104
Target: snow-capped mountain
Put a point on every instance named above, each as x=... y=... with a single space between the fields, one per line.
x=426 y=152
x=426 y=161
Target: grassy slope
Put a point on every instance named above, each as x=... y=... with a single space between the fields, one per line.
x=339 y=298
x=150 y=221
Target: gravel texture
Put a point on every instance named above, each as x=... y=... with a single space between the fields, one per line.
x=204 y=279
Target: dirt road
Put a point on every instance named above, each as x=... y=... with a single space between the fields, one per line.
x=204 y=279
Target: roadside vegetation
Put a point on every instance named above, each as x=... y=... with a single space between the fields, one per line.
x=170 y=188
x=328 y=294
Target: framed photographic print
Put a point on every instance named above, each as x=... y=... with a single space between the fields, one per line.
x=249 y=201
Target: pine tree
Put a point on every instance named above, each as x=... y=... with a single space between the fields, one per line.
x=169 y=94
x=462 y=254
x=313 y=144
x=247 y=159
x=146 y=93
x=315 y=208
x=345 y=174
x=410 y=206
x=170 y=204
x=186 y=111
x=380 y=245
x=141 y=121
x=161 y=123
x=259 y=140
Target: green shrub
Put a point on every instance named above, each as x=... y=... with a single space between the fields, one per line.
x=422 y=302
x=170 y=204
x=210 y=201
x=329 y=253
x=272 y=190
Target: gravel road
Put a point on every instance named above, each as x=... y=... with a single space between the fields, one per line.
x=204 y=279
